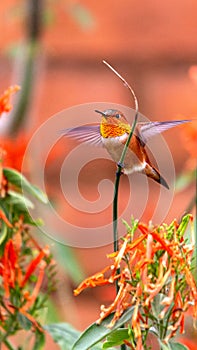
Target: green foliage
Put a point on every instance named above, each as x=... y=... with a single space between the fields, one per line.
x=116 y=338
x=95 y=333
x=173 y=346
x=20 y=181
x=63 y=334
x=65 y=256
x=146 y=281
x=15 y=204
x=22 y=262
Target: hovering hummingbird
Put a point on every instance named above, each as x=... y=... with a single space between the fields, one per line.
x=113 y=132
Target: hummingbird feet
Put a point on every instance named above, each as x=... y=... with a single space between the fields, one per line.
x=121 y=167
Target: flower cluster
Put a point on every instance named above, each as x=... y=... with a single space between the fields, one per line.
x=22 y=269
x=26 y=269
x=154 y=276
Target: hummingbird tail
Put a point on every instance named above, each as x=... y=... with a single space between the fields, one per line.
x=154 y=174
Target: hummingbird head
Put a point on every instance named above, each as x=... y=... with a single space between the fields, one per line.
x=113 y=123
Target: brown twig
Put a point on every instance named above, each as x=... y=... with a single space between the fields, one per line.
x=124 y=82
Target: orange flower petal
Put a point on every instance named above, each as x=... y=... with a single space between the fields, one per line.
x=37 y=287
x=5 y=105
x=32 y=266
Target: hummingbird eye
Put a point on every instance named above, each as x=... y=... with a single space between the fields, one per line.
x=117 y=115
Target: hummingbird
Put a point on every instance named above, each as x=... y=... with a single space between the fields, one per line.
x=112 y=133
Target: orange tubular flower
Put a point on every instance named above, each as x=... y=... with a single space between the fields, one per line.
x=16 y=271
x=5 y=105
x=32 y=266
x=96 y=280
x=8 y=265
x=155 y=264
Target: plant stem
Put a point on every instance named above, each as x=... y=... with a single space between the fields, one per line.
x=116 y=186
x=33 y=30
x=115 y=201
x=8 y=345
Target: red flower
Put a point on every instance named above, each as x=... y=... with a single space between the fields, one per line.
x=5 y=105
x=156 y=262
x=16 y=271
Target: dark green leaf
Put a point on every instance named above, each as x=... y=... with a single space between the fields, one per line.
x=116 y=338
x=95 y=333
x=24 y=321
x=17 y=179
x=39 y=341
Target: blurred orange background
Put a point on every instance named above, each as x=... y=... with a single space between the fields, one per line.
x=152 y=44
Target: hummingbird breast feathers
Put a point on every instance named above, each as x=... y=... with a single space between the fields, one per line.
x=132 y=161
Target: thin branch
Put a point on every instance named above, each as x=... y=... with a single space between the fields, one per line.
x=125 y=84
x=9 y=345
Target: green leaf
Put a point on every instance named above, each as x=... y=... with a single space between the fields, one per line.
x=24 y=321
x=66 y=257
x=3 y=233
x=172 y=346
x=116 y=338
x=39 y=341
x=20 y=181
x=131 y=229
x=157 y=306
x=18 y=200
x=95 y=333
x=109 y=345
x=4 y=227
x=183 y=225
x=177 y=346
x=63 y=334
x=164 y=346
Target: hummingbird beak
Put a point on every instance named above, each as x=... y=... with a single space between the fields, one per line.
x=102 y=113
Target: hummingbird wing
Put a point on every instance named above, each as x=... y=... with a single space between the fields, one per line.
x=85 y=133
x=147 y=130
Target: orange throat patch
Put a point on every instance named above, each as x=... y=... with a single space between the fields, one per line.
x=114 y=130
